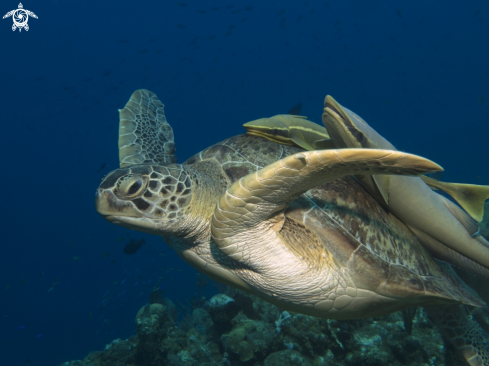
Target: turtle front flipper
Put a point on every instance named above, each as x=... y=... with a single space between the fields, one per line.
x=145 y=137
x=250 y=203
x=460 y=328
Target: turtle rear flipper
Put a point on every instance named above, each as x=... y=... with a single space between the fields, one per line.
x=459 y=327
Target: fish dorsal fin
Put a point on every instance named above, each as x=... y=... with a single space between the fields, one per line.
x=295 y=110
x=324 y=144
x=470 y=196
x=145 y=137
x=468 y=222
x=383 y=182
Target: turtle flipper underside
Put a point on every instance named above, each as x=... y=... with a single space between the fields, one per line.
x=145 y=137
x=258 y=196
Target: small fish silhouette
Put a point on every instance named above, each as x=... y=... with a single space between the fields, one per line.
x=101 y=167
x=133 y=246
x=296 y=110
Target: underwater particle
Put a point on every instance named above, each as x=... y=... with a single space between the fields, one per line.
x=53 y=285
x=133 y=246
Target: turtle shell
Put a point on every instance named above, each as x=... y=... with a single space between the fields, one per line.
x=377 y=250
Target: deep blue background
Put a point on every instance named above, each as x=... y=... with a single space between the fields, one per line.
x=417 y=71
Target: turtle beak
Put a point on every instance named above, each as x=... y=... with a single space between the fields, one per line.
x=139 y=224
x=121 y=212
x=101 y=200
x=107 y=204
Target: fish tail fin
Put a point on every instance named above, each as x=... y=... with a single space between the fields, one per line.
x=459 y=327
x=470 y=196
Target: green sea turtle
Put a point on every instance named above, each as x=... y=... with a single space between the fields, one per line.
x=287 y=225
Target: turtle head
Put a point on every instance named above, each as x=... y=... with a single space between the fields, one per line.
x=150 y=192
x=150 y=198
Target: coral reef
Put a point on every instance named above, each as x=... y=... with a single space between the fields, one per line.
x=239 y=329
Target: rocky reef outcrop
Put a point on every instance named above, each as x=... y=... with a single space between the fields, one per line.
x=239 y=329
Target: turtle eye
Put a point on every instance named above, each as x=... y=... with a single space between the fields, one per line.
x=135 y=187
x=132 y=186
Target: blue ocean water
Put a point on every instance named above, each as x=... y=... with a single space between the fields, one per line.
x=417 y=71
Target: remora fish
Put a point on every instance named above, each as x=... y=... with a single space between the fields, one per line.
x=441 y=226
x=291 y=130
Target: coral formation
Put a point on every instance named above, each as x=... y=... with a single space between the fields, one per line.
x=223 y=333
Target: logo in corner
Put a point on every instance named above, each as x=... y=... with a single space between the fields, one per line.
x=20 y=17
